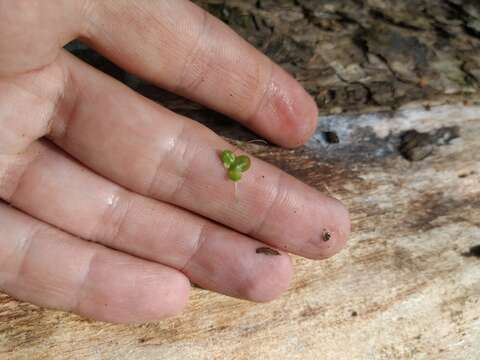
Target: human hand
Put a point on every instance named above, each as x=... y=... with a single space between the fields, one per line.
x=121 y=201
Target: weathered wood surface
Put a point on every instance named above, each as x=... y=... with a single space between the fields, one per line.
x=408 y=285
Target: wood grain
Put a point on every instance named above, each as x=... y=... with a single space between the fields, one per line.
x=407 y=286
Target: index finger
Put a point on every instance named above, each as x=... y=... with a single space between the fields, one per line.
x=172 y=43
x=183 y=49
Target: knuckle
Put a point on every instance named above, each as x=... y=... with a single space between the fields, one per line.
x=15 y=267
x=200 y=239
x=179 y=158
x=28 y=106
x=273 y=200
x=12 y=169
x=195 y=69
x=257 y=84
x=109 y=228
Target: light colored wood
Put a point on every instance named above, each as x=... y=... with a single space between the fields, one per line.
x=403 y=289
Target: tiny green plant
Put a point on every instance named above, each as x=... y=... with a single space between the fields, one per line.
x=236 y=165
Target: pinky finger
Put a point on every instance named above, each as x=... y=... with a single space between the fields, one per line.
x=50 y=268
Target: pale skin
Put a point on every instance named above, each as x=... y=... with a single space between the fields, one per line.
x=110 y=202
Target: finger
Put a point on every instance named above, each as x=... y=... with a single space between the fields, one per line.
x=157 y=153
x=182 y=48
x=45 y=266
x=172 y=43
x=60 y=191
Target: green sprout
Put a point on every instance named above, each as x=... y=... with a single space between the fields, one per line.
x=236 y=165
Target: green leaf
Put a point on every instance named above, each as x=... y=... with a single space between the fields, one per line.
x=228 y=158
x=241 y=163
x=234 y=175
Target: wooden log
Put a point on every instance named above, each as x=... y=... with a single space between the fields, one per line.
x=408 y=284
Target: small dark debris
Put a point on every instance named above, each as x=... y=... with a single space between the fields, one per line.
x=464 y=175
x=326 y=236
x=142 y=340
x=331 y=137
x=354 y=314
x=473 y=252
x=219 y=328
x=417 y=146
x=428 y=107
x=445 y=135
x=267 y=251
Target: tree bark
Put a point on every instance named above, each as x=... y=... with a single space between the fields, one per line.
x=354 y=55
x=398 y=85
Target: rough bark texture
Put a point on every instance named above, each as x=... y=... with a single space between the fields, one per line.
x=353 y=54
x=408 y=285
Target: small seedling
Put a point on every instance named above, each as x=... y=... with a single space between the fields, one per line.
x=236 y=165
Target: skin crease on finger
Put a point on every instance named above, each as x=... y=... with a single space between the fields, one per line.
x=33 y=95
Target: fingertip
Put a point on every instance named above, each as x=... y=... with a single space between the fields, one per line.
x=333 y=237
x=173 y=300
x=297 y=109
x=288 y=114
x=270 y=280
x=126 y=290
x=162 y=299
